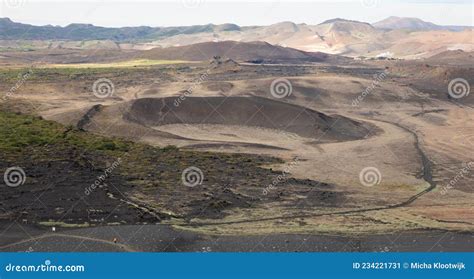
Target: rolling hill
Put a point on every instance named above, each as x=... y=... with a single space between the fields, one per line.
x=239 y=51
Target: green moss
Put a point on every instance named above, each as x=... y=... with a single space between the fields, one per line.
x=19 y=131
x=13 y=75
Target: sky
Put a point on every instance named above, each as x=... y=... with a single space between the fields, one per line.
x=113 y=13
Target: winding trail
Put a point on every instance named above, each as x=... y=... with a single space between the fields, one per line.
x=121 y=246
x=427 y=166
x=427 y=174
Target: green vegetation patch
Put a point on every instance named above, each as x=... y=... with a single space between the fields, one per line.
x=20 y=131
x=118 y=64
x=69 y=168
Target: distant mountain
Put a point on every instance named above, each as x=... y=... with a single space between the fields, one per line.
x=339 y=20
x=335 y=36
x=408 y=23
x=415 y=24
x=10 y=30
x=346 y=26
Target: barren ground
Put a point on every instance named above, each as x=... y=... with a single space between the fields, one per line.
x=315 y=139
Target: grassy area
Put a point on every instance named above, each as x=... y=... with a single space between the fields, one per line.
x=62 y=161
x=80 y=72
x=120 y=64
x=19 y=131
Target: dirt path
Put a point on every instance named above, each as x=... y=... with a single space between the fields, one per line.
x=121 y=246
x=427 y=167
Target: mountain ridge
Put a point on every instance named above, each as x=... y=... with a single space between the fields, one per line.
x=411 y=38
x=11 y=30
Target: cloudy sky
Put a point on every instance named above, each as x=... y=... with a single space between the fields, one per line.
x=263 y=12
